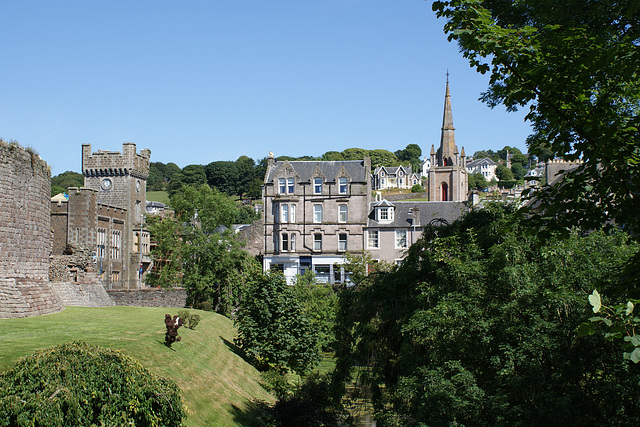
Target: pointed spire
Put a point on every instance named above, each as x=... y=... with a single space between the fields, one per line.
x=447 y=138
x=462 y=153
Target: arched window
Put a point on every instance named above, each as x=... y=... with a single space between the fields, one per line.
x=445 y=192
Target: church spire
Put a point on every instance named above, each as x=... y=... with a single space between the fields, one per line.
x=447 y=138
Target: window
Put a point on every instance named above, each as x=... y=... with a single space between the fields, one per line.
x=372 y=239
x=342 y=213
x=317 y=213
x=285 y=242
x=285 y=213
x=323 y=273
x=401 y=181
x=317 y=185
x=343 y=185
x=290 y=186
x=383 y=214
x=293 y=242
x=342 y=242
x=282 y=185
x=292 y=215
x=401 y=239
x=102 y=240
x=317 y=242
x=115 y=244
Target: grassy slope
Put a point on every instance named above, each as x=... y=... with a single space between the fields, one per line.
x=158 y=196
x=217 y=384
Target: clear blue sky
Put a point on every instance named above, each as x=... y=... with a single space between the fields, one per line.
x=200 y=81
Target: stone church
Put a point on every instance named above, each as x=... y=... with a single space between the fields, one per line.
x=448 y=179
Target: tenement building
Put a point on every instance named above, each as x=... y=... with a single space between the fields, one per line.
x=314 y=212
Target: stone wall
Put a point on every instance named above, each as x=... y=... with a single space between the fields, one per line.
x=75 y=294
x=406 y=196
x=25 y=234
x=149 y=297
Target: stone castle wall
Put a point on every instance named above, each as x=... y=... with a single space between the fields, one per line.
x=149 y=297
x=25 y=234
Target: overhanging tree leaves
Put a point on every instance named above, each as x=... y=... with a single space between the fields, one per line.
x=575 y=65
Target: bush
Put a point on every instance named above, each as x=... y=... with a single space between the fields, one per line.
x=417 y=189
x=190 y=320
x=75 y=384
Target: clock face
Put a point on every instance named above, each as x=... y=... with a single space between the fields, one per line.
x=138 y=185
x=106 y=184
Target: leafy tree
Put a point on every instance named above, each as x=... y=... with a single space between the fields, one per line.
x=223 y=175
x=486 y=154
x=575 y=66
x=198 y=250
x=518 y=171
x=382 y=158
x=506 y=149
x=521 y=159
x=160 y=175
x=503 y=173
x=417 y=189
x=319 y=303
x=191 y=175
x=273 y=330
x=332 y=156
x=246 y=215
x=67 y=179
x=355 y=153
x=245 y=173
x=478 y=182
x=477 y=327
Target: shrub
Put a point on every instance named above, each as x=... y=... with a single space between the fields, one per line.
x=190 y=320
x=417 y=189
x=75 y=384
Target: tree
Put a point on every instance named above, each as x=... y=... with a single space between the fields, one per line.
x=245 y=173
x=223 y=175
x=575 y=66
x=506 y=149
x=486 y=154
x=192 y=175
x=477 y=327
x=503 y=173
x=355 y=153
x=332 y=156
x=382 y=158
x=273 y=330
x=518 y=171
x=67 y=179
x=478 y=182
x=199 y=250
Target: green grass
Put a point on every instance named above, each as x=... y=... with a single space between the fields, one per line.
x=158 y=196
x=217 y=384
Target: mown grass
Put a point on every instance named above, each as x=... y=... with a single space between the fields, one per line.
x=158 y=196
x=218 y=385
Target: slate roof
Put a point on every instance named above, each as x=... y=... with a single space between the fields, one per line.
x=449 y=211
x=476 y=163
x=306 y=169
x=393 y=170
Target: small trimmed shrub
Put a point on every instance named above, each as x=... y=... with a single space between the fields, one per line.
x=417 y=189
x=190 y=320
x=75 y=384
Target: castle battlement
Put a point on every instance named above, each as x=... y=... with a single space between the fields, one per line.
x=114 y=163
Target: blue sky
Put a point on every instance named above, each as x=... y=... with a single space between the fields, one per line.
x=201 y=81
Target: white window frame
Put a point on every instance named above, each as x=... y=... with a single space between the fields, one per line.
x=290 y=185
x=282 y=185
x=373 y=239
x=284 y=242
x=284 y=213
x=317 y=214
x=342 y=243
x=317 y=242
x=343 y=185
x=343 y=213
x=401 y=241
x=317 y=185
x=292 y=242
x=292 y=214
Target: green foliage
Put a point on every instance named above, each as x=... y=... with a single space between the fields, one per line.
x=478 y=182
x=621 y=322
x=503 y=173
x=191 y=175
x=511 y=150
x=67 y=179
x=160 y=175
x=57 y=190
x=246 y=215
x=332 y=156
x=198 y=249
x=574 y=65
x=486 y=154
x=518 y=171
x=477 y=327
x=382 y=158
x=417 y=189
x=190 y=319
x=319 y=303
x=77 y=384
x=273 y=330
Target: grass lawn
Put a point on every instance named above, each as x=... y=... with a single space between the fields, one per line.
x=158 y=196
x=217 y=384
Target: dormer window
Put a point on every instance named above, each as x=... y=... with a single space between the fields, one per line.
x=290 y=185
x=381 y=173
x=343 y=185
x=384 y=214
x=282 y=185
x=317 y=185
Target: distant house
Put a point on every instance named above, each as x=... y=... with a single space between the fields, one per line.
x=402 y=177
x=394 y=226
x=485 y=167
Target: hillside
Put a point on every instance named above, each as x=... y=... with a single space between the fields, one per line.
x=217 y=384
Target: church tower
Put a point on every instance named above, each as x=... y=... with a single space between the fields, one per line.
x=448 y=181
